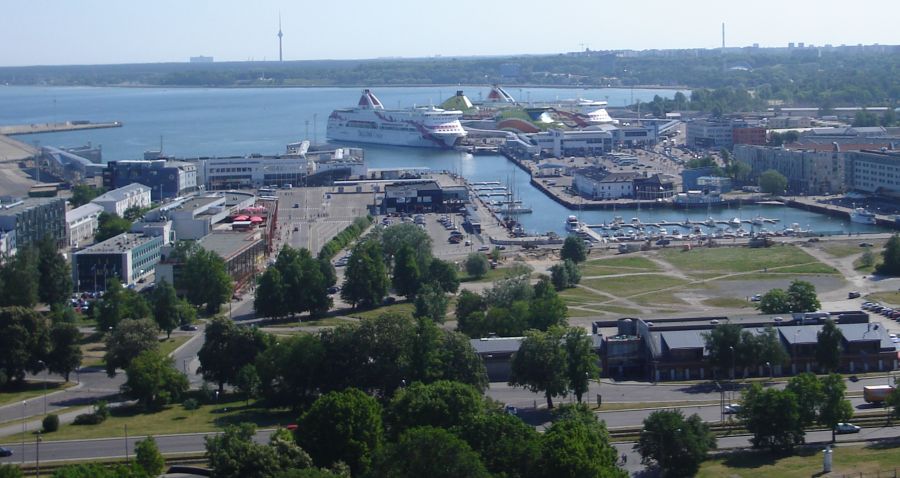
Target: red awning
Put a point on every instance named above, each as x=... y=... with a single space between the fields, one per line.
x=256 y=219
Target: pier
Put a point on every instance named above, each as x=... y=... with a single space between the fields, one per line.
x=36 y=128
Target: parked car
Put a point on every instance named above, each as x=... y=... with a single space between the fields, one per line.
x=732 y=409
x=5 y=451
x=865 y=244
x=853 y=294
x=843 y=428
x=755 y=298
x=188 y=327
x=484 y=248
x=334 y=289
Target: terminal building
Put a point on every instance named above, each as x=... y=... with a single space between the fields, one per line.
x=26 y=222
x=422 y=197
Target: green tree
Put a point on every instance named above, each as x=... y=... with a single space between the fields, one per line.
x=769 y=350
x=83 y=194
x=206 y=281
x=540 y=365
x=133 y=213
x=247 y=381
x=802 y=297
x=459 y=362
x=234 y=454
x=65 y=350
x=24 y=341
x=565 y=275
x=573 y=249
x=773 y=418
x=165 y=307
x=581 y=361
x=365 y=280
x=776 y=301
x=110 y=225
x=676 y=444
x=444 y=275
x=508 y=446
x=398 y=236
x=127 y=341
x=270 y=298
x=576 y=444
x=100 y=471
x=341 y=426
x=772 y=182
x=19 y=276
x=506 y=292
x=835 y=407
x=11 y=471
x=441 y=404
x=432 y=302
x=153 y=380
x=477 y=265
x=148 y=457
x=228 y=348
x=117 y=304
x=890 y=265
x=808 y=390
x=431 y=452
x=470 y=308
x=723 y=342
x=406 y=278
x=55 y=276
x=290 y=371
x=546 y=308
x=829 y=342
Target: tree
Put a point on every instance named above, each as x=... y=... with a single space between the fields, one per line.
x=206 y=281
x=432 y=302
x=297 y=283
x=576 y=444
x=802 y=297
x=110 y=225
x=127 y=341
x=773 y=418
x=890 y=265
x=893 y=400
x=406 y=278
x=829 y=342
x=83 y=194
x=573 y=249
x=153 y=380
x=24 y=341
x=540 y=365
x=228 y=348
x=398 y=236
x=477 y=265
x=565 y=275
x=11 y=471
x=429 y=452
x=772 y=182
x=441 y=404
x=117 y=304
x=341 y=426
x=365 y=280
x=776 y=301
x=290 y=371
x=808 y=390
x=835 y=408
x=20 y=277
x=247 y=381
x=165 y=307
x=100 y=471
x=133 y=213
x=470 y=308
x=769 y=350
x=234 y=454
x=459 y=362
x=505 y=292
x=444 y=275
x=546 y=308
x=270 y=298
x=148 y=457
x=508 y=446
x=677 y=445
x=723 y=341
x=55 y=276
x=65 y=350
x=581 y=361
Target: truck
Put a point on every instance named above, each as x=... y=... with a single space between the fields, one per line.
x=877 y=393
x=626 y=248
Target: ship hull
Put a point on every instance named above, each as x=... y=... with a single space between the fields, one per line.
x=391 y=138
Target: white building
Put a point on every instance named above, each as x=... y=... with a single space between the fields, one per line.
x=596 y=183
x=120 y=200
x=875 y=172
x=561 y=143
x=709 y=134
x=82 y=223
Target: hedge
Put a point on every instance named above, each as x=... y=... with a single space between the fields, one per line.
x=345 y=237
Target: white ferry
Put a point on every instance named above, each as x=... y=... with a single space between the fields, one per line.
x=369 y=122
x=862 y=216
x=572 y=224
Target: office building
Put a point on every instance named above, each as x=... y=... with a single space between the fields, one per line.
x=119 y=200
x=30 y=220
x=166 y=179
x=128 y=257
x=596 y=183
x=875 y=172
x=807 y=172
x=82 y=223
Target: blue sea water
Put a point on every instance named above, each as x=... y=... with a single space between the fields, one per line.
x=217 y=122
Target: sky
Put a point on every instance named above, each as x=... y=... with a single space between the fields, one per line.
x=54 y=32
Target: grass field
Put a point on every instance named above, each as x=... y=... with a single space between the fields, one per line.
x=739 y=259
x=727 y=302
x=618 y=265
x=172 y=419
x=848 y=460
x=396 y=308
x=634 y=285
x=93 y=348
x=324 y=322
x=28 y=390
x=889 y=298
x=841 y=249
x=580 y=295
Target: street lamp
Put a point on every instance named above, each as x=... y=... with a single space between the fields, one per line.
x=42 y=364
x=732 y=372
x=24 y=404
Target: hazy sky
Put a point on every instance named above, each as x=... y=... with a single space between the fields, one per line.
x=41 y=32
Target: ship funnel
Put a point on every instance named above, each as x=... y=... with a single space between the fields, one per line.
x=369 y=101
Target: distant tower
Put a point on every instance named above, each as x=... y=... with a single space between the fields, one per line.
x=723 y=35
x=280 y=34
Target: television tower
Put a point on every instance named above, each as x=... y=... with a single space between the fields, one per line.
x=280 y=34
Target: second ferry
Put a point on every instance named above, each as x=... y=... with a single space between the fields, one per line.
x=370 y=122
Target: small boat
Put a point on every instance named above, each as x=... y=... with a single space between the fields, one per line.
x=572 y=224
x=758 y=221
x=862 y=216
x=710 y=222
x=734 y=222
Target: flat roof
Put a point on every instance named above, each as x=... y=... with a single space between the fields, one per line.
x=229 y=244
x=197 y=202
x=118 y=244
x=10 y=206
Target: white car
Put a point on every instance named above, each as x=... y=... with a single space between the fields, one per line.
x=733 y=409
x=843 y=428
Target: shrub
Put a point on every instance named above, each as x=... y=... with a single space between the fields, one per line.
x=50 y=423
x=345 y=237
x=101 y=409
x=88 y=419
x=191 y=404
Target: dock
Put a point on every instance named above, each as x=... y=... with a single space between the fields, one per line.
x=36 y=128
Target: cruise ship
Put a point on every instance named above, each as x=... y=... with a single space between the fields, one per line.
x=370 y=122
